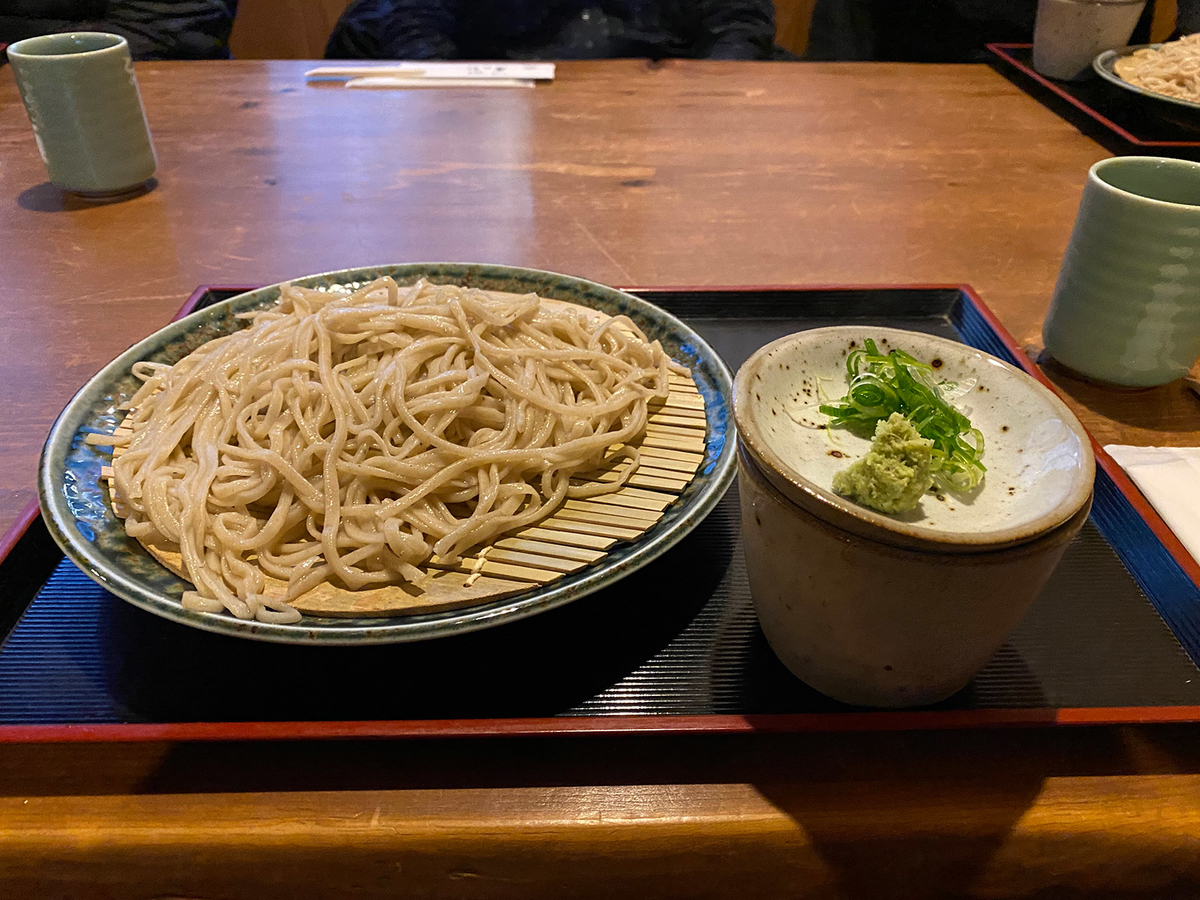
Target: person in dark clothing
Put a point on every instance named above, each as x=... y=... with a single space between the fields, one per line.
x=155 y=29
x=555 y=29
x=928 y=30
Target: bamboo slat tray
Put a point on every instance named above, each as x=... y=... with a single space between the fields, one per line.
x=577 y=535
x=499 y=586
x=672 y=648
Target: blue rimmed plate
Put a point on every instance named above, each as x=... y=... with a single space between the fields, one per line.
x=1176 y=109
x=78 y=514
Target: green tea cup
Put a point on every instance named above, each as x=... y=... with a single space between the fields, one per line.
x=1126 y=308
x=82 y=98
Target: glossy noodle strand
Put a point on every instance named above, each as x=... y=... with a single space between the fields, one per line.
x=1172 y=70
x=349 y=437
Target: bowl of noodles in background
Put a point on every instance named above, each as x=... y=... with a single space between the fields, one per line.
x=78 y=508
x=1166 y=76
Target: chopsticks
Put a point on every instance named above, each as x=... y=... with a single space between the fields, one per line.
x=436 y=74
x=383 y=81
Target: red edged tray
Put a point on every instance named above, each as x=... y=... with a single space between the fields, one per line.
x=672 y=649
x=1135 y=122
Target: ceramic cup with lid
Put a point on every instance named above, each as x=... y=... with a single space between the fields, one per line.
x=902 y=610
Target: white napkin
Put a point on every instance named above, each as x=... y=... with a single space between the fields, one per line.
x=1170 y=479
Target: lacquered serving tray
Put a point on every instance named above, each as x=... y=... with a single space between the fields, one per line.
x=672 y=648
x=1124 y=121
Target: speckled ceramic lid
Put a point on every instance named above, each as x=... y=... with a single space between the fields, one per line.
x=1039 y=459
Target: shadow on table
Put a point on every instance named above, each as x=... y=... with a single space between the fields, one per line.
x=856 y=832
x=1167 y=409
x=917 y=775
x=1156 y=408
x=923 y=814
x=542 y=666
x=50 y=198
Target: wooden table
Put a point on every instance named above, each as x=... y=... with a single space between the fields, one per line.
x=631 y=174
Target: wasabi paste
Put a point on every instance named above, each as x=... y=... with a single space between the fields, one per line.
x=897 y=382
x=895 y=473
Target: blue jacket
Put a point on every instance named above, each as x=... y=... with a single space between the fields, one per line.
x=155 y=29
x=554 y=29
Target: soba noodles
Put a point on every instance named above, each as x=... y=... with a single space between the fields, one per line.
x=1173 y=69
x=349 y=437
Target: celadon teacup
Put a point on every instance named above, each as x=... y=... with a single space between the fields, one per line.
x=82 y=98
x=1126 y=308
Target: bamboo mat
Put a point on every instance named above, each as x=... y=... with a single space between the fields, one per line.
x=577 y=535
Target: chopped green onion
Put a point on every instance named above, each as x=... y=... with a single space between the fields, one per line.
x=881 y=384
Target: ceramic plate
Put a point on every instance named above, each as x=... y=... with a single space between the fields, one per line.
x=1182 y=111
x=76 y=508
x=1039 y=458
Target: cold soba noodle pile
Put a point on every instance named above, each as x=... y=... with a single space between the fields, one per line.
x=1172 y=70
x=349 y=437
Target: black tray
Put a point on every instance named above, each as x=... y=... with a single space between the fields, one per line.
x=674 y=647
x=1122 y=121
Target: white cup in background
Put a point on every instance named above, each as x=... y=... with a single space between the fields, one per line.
x=1069 y=34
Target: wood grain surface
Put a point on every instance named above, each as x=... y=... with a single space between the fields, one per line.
x=627 y=173
x=1075 y=813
